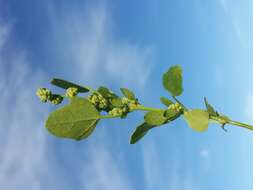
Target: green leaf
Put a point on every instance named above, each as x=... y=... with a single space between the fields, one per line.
x=166 y=101
x=197 y=119
x=155 y=118
x=128 y=93
x=210 y=109
x=106 y=93
x=140 y=132
x=173 y=80
x=76 y=120
x=171 y=114
x=66 y=84
x=117 y=102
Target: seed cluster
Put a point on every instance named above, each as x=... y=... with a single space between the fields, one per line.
x=71 y=92
x=177 y=107
x=98 y=101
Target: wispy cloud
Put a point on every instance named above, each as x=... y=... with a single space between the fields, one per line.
x=22 y=141
x=103 y=171
x=92 y=47
x=89 y=49
x=151 y=165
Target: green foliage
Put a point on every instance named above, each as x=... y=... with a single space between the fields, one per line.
x=78 y=119
x=166 y=101
x=66 y=84
x=128 y=93
x=197 y=119
x=173 y=80
x=155 y=117
x=210 y=108
x=105 y=92
x=140 y=132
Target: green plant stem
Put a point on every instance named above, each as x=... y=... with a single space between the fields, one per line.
x=108 y=116
x=240 y=124
x=231 y=122
x=138 y=108
x=144 y=108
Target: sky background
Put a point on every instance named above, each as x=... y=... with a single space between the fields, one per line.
x=126 y=44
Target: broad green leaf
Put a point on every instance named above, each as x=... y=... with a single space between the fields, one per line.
x=76 y=120
x=155 y=118
x=197 y=119
x=166 y=101
x=171 y=114
x=209 y=108
x=117 y=102
x=128 y=93
x=140 y=132
x=173 y=80
x=105 y=92
x=66 y=84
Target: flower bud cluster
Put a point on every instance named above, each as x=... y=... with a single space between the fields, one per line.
x=177 y=107
x=71 y=92
x=56 y=99
x=130 y=103
x=46 y=95
x=99 y=101
x=120 y=112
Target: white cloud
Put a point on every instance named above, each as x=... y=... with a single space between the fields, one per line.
x=22 y=140
x=151 y=165
x=92 y=47
x=181 y=179
x=24 y=159
x=103 y=171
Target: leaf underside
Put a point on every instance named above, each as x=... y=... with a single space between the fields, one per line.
x=197 y=119
x=140 y=132
x=76 y=120
x=66 y=84
x=127 y=93
x=155 y=118
x=166 y=101
x=173 y=80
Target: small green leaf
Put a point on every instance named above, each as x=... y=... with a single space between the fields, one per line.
x=173 y=80
x=140 y=132
x=171 y=114
x=166 y=101
x=197 y=119
x=155 y=118
x=117 y=102
x=76 y=120
x=128 y=93
x=66 y=84
x=106 y=93
x=210 y=109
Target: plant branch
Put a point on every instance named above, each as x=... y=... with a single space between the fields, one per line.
x=231 y=122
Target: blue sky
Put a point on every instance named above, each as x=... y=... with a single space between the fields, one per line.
x=126 y=44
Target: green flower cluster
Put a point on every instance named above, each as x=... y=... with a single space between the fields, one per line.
x=131 y=104
x=177 y=107
x=120 y=112
x=99 y=101
x=56 y=99
x=46 y=95
x=71 y=92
